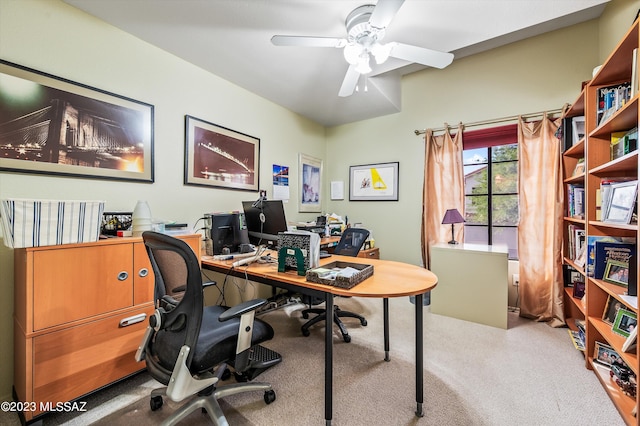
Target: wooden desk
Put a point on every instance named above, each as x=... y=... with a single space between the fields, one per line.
x=389 y=279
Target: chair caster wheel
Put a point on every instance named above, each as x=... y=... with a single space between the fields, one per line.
x=363 y=322
x=305 y=332
x=155 y=402
x=346 y=338
x=226 y=374
x=269 y=396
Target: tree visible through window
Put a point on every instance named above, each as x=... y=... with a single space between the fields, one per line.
x=491 y=196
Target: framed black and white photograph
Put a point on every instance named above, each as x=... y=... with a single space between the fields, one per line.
x=374 y=182
x=625 y=322
x=219 y=157
x=309 y=184
x=616 y=272
x=51 y=125
x=621 y=202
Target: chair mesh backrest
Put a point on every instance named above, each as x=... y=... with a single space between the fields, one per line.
x=172 y=278
x=177 y=275
x=351 y=241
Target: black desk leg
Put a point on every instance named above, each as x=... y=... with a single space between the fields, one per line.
x=419 y=357
x=328 y=360
x=385 y=302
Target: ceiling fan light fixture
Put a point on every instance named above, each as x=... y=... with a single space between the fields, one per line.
x=381 y=52
x=363 y=64
x=352 y=52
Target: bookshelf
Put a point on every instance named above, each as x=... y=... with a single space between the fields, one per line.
x=601 y=124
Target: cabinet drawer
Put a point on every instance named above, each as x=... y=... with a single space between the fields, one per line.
x=373 y=253
x=75 y=283
x=78 y=360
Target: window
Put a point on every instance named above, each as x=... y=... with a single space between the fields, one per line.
x=491 y=187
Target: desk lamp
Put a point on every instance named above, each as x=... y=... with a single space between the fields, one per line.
x=452 y=216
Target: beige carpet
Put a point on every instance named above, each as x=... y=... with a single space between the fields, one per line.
x=474 y=375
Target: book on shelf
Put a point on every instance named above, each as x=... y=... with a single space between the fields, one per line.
x=578 y=342
x=609 y=247
x=575 y=198
x=610 y=99
x=605 y=251
x=577 y=240
x=623 y=143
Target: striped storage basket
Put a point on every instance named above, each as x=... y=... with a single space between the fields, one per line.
x=34 y=223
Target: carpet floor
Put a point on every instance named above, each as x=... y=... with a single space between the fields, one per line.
x=529 y=374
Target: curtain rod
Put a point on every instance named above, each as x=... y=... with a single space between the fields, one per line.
x=496 y=120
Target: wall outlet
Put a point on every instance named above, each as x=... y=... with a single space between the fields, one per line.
x=515 y=279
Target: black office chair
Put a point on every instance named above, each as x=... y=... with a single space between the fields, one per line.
x=350 y=244
x=190 y=347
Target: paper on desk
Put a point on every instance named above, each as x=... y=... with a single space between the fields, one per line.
x=348 y=272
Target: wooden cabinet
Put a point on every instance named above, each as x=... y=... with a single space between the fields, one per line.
x=373 y=253
x=80 y=312
x=616 y=71
x=478 y=291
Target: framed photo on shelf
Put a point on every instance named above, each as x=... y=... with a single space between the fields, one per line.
x=374 y=182
x=616 y=272
x=611 y=310
x=310 y=184
x=577 y=124
x=604 y=354
x=55 y=126
x=621 y=202
x=625 y=322
x=219 y=157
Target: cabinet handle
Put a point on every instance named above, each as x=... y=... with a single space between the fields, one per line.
x=123 y=276
x=143 y=272
x=132 y=320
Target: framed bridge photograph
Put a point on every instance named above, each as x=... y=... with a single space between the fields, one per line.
x=51 y=125
x=220 y=157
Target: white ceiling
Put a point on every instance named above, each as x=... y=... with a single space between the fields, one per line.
x=231 y=38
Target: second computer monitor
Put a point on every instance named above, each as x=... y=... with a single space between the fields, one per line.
x=265 y=219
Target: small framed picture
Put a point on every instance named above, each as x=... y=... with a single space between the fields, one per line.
x=604 y=354
x=621 y=202
x=625 y=322
x=616 y=272
x=611 y=310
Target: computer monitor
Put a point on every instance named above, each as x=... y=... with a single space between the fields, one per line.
x=265 y=219
x=228 y=230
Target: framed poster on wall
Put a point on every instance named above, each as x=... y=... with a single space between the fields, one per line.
x=220 y=157
x=51 y=125
x=310 y=184
x=374 y=182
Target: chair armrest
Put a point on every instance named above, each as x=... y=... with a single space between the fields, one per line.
x=241 y=309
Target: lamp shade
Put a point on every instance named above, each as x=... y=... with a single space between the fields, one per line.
x=452 y=216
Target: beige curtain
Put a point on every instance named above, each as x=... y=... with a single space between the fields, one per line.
x=443 y=188
x=540 y=229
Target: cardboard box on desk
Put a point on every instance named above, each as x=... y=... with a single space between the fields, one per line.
x=34 y=223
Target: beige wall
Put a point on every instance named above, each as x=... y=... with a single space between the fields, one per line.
x=54 y=37
x=537 y=74
x=51 y=36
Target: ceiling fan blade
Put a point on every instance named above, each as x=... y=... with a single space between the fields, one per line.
x=282 y=40
x=421 y=55
x=350 y=82
x=384 y=12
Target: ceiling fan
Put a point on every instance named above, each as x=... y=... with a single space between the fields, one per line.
x=366 y=27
